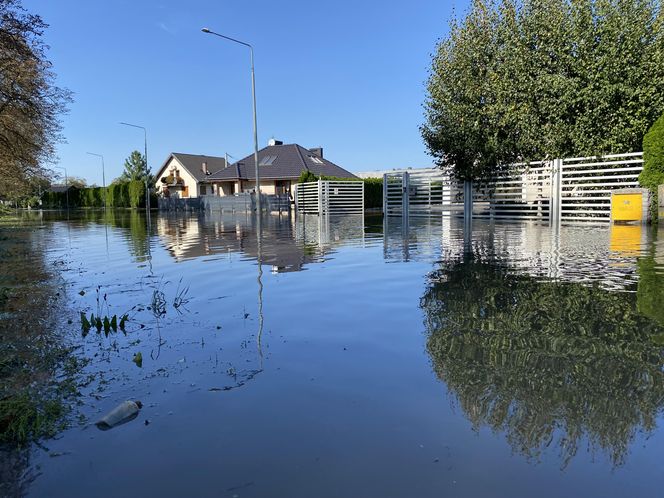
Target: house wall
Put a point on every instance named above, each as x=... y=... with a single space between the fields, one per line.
x=267 y=186
x=189 y=180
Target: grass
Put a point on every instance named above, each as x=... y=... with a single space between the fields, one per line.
x=38 y=371
x=26 y=417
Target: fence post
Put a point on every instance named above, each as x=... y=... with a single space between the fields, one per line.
x=405 y=188
x=320 y=197
x=556 y=191
x=385 y=194
x=468 y=199
x=326 y=198
x=467 y=202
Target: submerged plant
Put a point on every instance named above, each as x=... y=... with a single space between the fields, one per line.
x=158 y=303
x=181 y=298
x=138 y=359
x=108 y=324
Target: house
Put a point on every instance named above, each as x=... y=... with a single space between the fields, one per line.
x=184 y=175
x=280 y=165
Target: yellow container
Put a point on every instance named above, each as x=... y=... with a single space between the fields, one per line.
x=627 y=207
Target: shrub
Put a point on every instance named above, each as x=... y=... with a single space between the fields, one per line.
x=136 y=190
x=653 y=161
x=373 y=192
x=119 y=194
x=307 y=176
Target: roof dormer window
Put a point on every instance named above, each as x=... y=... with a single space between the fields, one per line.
x=267 y=161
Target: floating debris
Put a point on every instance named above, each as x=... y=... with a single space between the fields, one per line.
x=123 y=413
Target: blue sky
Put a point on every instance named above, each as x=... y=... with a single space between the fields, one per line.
x=345 y=75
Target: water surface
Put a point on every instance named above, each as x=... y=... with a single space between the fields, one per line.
x=357 y=357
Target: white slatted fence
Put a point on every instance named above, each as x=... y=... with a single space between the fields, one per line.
x=571 y=189
x=586 y=184
x=330 y=197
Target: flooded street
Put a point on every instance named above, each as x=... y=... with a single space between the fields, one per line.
x=354 y=357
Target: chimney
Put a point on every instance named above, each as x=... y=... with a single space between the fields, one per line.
x=317 y=151
x=272 y=142
x=204 y=168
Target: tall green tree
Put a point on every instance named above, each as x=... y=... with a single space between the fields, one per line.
x=135 y=169
x=531 y=79
x=30 y=102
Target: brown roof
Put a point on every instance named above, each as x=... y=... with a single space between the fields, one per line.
x=281 y=161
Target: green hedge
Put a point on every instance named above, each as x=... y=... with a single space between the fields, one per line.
x=119 y=195
x=653 y=161
x=373 y=192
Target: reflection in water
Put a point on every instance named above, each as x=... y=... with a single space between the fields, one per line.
x=574 y=252
x=286 y=244
x=34 y=401
x=650 y=292
x=546 y=362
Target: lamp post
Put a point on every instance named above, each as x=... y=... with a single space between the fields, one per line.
x=253 y=94
x=147 y=188
x=66 y=185
x=103 y=177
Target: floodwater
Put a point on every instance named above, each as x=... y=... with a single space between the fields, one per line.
x=357 y=357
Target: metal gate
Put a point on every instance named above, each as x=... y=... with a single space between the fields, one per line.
x=523 y=192
x=330 y=197
x=422 y=192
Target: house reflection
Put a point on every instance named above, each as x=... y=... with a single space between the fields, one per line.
x=287 y=243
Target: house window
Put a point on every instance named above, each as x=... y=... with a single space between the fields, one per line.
x=267 y=161
x=282 y=186
x=316 y=159
x=203 y=190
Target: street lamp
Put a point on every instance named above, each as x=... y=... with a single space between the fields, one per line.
x=253 y=93
x=103 y=177
x=147 y=188
x=66 y=185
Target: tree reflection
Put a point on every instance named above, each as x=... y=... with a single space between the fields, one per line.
x=39 y=370
x=548 y=363
x=650 y=293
